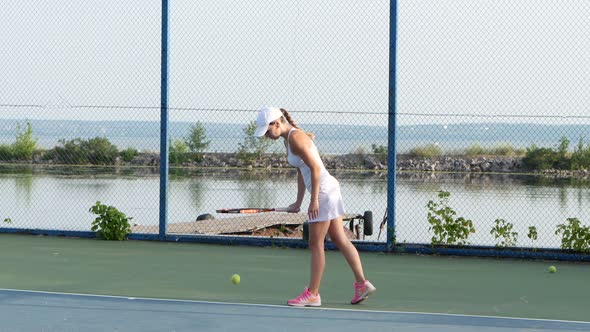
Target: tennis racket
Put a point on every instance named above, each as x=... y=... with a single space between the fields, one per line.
x=252 y=210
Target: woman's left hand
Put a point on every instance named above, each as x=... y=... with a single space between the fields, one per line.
x=294 y=208
x=314 y=209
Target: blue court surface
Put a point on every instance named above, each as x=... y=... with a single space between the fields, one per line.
x=44 y=311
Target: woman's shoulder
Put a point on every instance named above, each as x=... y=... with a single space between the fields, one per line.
x=299 y=139
x=298 y=134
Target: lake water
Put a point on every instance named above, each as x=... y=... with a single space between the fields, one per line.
x=60 y=198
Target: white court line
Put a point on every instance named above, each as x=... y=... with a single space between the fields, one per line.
x=131 y=298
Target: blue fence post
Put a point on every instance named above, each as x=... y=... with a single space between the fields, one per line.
x=164 y=124
x=391 y=140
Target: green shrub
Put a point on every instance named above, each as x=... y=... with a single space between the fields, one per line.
x=475 y=150
x=48 y=155
x=532 y=234
x=447 y=229
x=563 y=158
x=111 y=224
x=252 y=148
x=540 y=158
x=71 y=152
x=101 y=151
x=427 y=151
x=581 y=156
x=546 y=158
x=128 y=154
x=574 y=236
x=97 y=151
x=506 y=150
x=178 y=152
x=197 y=140
x=6 y=152
x=380 y=152
x=25 y=144
x=379 y=149
x=503 y=232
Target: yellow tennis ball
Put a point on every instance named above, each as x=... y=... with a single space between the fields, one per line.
x=552 y=269
x=235 y=279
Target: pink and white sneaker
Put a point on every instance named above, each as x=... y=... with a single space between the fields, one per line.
x=362 y=290
x=306 y=299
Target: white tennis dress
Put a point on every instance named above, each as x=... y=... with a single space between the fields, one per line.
x=330 y=197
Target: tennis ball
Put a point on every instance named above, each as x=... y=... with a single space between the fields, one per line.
x=552 y=269
x=235 y=279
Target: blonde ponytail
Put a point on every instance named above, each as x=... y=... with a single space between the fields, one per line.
x=289 y=119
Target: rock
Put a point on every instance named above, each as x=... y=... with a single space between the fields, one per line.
x=206 y=216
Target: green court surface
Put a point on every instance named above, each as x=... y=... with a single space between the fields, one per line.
x=202 y=272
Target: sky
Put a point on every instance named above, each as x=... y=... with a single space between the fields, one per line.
x=326 y=61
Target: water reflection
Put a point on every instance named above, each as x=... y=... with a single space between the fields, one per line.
x=24 y=185
x=61 y=196
x=257 y=195
x=197 y=191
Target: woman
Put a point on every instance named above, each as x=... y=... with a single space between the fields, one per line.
x=325 y=209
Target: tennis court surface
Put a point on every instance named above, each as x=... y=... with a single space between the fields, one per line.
x=69 y=284
x=40 y=311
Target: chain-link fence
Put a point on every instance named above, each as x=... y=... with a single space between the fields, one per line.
x=492 y=136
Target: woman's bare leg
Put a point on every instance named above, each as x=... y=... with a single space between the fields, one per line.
x=317 y=234
x=346 y=247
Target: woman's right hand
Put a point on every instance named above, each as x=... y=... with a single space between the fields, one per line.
x=294 y=208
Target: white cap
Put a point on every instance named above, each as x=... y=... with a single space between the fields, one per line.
x=264 y=118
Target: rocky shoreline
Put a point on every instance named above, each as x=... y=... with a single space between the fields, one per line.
x=369 y=162
x=357 y=162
